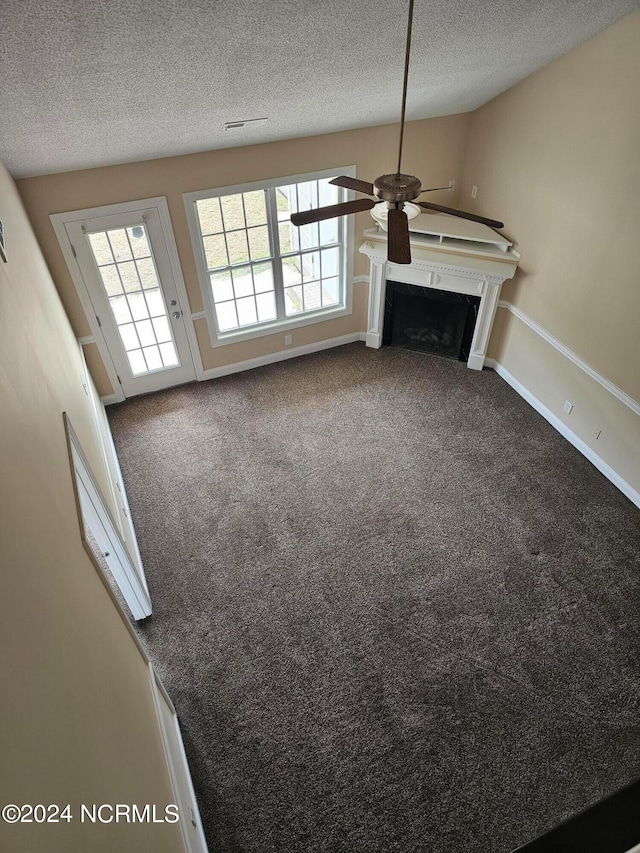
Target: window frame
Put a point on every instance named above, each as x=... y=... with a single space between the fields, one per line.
x=344 y=308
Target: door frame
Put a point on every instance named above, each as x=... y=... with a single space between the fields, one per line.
x=94 y=512
x=59 y=222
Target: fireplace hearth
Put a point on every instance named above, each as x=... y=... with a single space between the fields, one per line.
x=429 y=320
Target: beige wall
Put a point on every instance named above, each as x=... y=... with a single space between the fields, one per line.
x=557 y=159
x=77 y=721
x=433 y=149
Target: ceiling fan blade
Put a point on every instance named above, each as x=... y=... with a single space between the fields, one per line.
x=492 y=223
x=320 y=213
x=353 y=184
x=398 y=250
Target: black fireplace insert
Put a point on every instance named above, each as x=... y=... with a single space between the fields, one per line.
x=429 y=320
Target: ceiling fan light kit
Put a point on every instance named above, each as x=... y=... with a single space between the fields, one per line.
x=396 y=190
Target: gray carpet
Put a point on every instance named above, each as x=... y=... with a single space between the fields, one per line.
x=394 y=608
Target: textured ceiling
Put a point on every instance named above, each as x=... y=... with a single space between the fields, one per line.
x=90 y=83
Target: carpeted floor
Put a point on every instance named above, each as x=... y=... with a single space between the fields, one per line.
x=396 y=610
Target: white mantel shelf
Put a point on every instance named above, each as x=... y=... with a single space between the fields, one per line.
x=455 y=264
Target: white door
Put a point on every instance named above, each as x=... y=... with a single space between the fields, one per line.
x=96 y=516
x=124 y=263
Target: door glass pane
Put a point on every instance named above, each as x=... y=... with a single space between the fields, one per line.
x=125 y=261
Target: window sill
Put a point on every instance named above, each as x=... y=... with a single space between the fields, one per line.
x=277 y=327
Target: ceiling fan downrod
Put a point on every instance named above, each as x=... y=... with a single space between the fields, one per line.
x=407 y=53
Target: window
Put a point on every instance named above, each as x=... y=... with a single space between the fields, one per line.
x=258 y=271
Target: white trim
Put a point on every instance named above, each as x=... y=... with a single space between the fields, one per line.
x=137 y=559
x=110 y=399
x=87 y=339
x=282 y=355
x=281 y=324
x=183 y=298
x=361 y=279
x=58 y=220
x=96 y=514
x=564 y=430
x=159 y=203
x=103 y=449
x=618 y=393
x=157 y=687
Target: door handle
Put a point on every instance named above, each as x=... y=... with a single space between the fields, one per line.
x=176 y=315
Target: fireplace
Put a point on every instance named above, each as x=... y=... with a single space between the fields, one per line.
x=455 y=280
x=429 y=320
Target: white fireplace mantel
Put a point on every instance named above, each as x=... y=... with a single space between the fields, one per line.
x=452 y=263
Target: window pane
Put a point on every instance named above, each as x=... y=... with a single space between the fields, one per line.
x=246 y=311
x=226 y=314
x=129 y=337
x=215 y=251
x=155 y=303
x=255 y=208
x=307 y=195
x=120 y=308
x=311 y=266
x=289 y=238
x=111 y=280
x=232 y=212
x=330 y=262
x=263 y=277
x=120 y=244
x=129 y=276
x=147 y=273
x=145 y=333
x=209 y=215
x=286 y=201
x=266 y=304
x=311 y=293
x=221 y=286
x=259 y=243
x=100 y=248
x=138 y=306
x=308 y=236
x=327 y=194
x=138 y=241
x=162 y=330
x=238 y=247
x=330 y=291
x=169 y=355
x=329 y=231
x=153 y=357
x=242 y=282
x=293 y=300
x=137 y=362
x=292 y=270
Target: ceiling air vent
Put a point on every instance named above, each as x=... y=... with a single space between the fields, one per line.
x=233 y=125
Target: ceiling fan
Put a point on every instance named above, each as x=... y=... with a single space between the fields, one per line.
x=395 y=189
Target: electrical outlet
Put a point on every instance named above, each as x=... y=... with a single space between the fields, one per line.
x=596 y=433
x=568 y=407
x=452 y=185
x=288 y=340
x=474 y=191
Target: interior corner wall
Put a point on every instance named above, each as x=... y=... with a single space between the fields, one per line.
x=433 y=149
x=556 y=158
x=77 y=718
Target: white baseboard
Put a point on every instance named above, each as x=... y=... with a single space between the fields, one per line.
x=564 y=430
x=110 y=399
x=282 y=355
